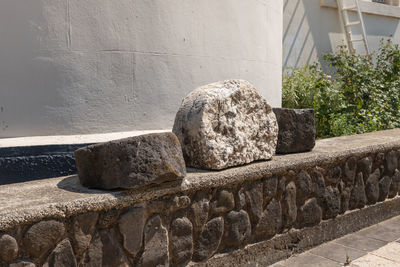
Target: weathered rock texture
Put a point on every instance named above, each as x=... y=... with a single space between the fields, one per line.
x=225 y=124
x=296 y=130
x=131 y=162
x=295 y=207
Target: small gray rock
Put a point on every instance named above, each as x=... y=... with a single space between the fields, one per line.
x=358 y=199
x=238 y=228
x=365 y=167
x=296 y=130
x=199 y=210
x=43 y=236
x=333 y=176
x=372 y=187
x=309 y=214
x=350 y=169
x=62 y=256
x=384 y=186
x=93 y=257
x=225 y=201
x=254 y=197
x=271 y=220
x=304 y=186
x=225 y=124
x=330 y=203
x=8 y=248
x=289 y=206
x=345 y=199
x=181 y=241
x=209 y=239
x=84 y=226
x=319 y=184
x=131 y=162
x=155 y=244
x=131 y=226
x=395 y=185
x=112 y=252
x=391 y=162
x=270 y=188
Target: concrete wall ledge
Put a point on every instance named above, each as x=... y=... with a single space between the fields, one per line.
x=238 y=203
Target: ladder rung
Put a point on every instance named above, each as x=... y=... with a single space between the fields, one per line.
x=357 y=40
x=349 y=7
x=352 y=23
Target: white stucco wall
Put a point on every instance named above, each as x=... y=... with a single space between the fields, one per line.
x=309 y=29
x=96 y=66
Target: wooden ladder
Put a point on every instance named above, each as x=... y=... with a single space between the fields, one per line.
x=347 y=25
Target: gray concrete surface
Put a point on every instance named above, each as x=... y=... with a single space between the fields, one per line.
x=96 y=66
x=378 y=245
x=61 y=197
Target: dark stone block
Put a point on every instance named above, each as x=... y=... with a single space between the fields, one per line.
x=238 y=228
x=62 y=256
x=289 y=207
x=309 y=214
x=181 y=241
x=209 y=239
x=384 y=186
x=304 y=185
x=131 y=162
x=296 y=130
x=358 y=199
x=271 y=220
x=330 y=203
x=8 y=248
x=372 y=187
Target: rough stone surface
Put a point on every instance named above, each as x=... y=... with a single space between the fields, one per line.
x=181 y=241
x=309 y=214
x=350 y=169
x=112 y=252
x=270 y=188
x=319 y=184
x=225 y=202
x=384 y=186
x=358 y=199
x=209 y=239
x=365 y=167
x=271 y=220
x=43 y=236
x=131 y=162
x=372 y=187
x=62 y=256
x=93 y=257
x=199 y=210
x=304 y=186
x=8 y=248
x=345 y=199
x=225 y=124
x=84 y=226
x=131 y=226
x=296 y=130
x=238 y=228
x=254 y=197
x=108 y=218
x=333 y=176
x=289 y=206
x=395 y=185
x=155 y=244
x=22 y=264
x=330 y=203
x=391 y=162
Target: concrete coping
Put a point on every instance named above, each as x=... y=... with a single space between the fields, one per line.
x=62 y=197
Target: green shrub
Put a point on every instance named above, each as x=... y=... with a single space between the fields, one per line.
x=363 y=94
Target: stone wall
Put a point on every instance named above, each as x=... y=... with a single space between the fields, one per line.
x=191 y=226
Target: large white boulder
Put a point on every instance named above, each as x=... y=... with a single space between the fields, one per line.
x=225 y=124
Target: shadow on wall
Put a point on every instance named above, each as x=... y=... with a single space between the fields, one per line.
x=310 y=30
